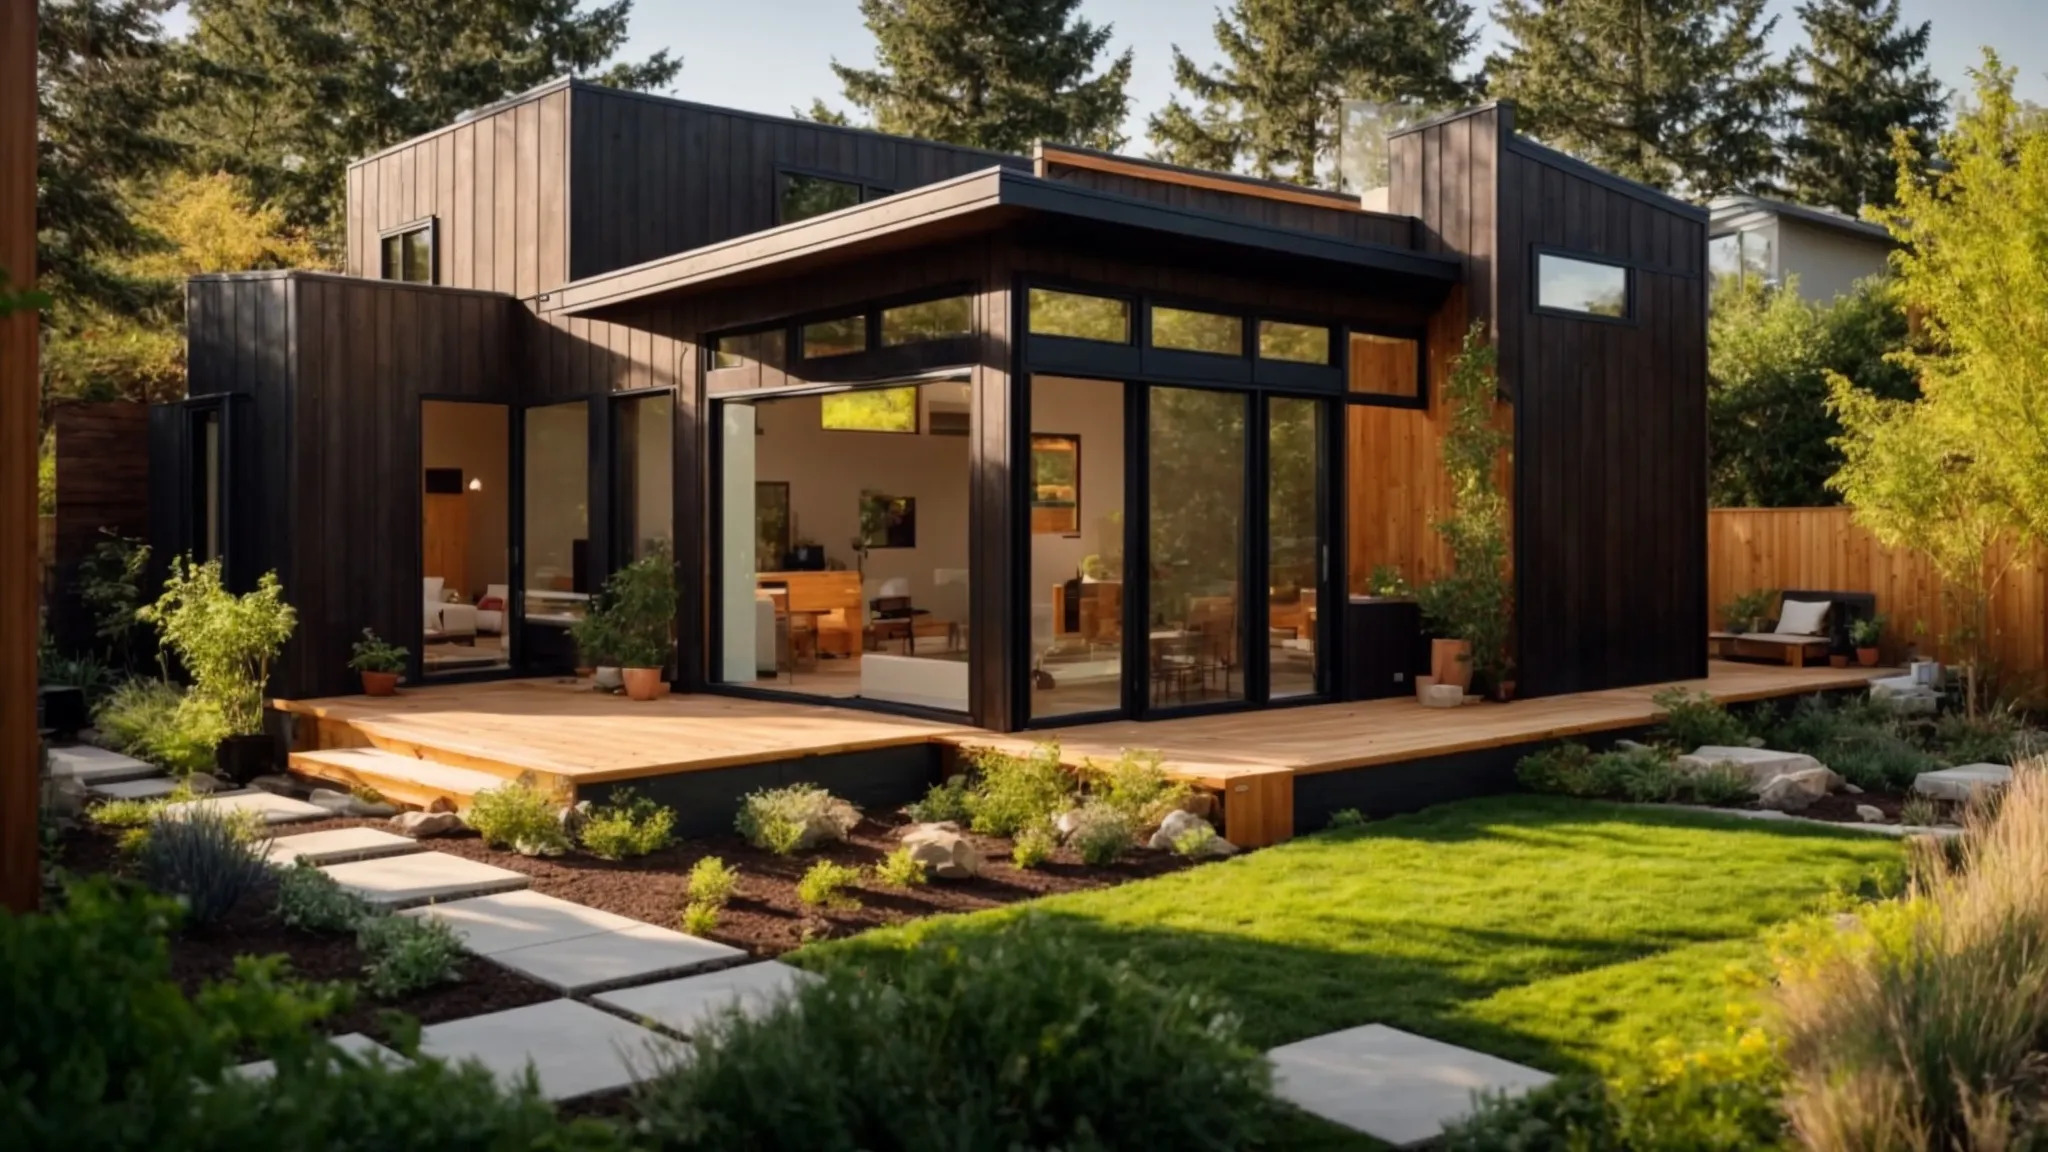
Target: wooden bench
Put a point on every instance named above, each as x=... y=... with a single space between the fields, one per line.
x=1792 y=650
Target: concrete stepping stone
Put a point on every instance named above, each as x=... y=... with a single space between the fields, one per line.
x=337 y=845
x=403 y=881
x=354 y=1043
x=574 y=1049
x=1389 y=1084
x=628 y=955
x=268 y=807
x=152 y=788
x=90 y=765
x=690 y=1004
x=492 y=924
x=1963 y=781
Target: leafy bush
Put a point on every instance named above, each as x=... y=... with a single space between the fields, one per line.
x=700 y=918
x=207 y=860
x=1718 y=785
x=1646 y=776
x=1193 y=841
x=1919 y=812
x=1033 y=846
x=1745 y=609
x=899 y=870
x=91 y=675
x=124 y=813
x=1101 y=833
x=1137 y=785
x=1569 y=1114
x=1066 y=1051
x=1989 y=738
x=629 y=825
x=225 y=641
x=403 y=954
x=825 y=885
x=1569 y=768
x=947 y=800
x=1011 y=793
x=1693 y=720
x=159 y=722
x=374 y=654
x=1877 y=759
x=109 y=584
x=310 y=899
x=635 y=612
x=712 y=881
x=1346 y=818
x=519 y=815
x=784 y=820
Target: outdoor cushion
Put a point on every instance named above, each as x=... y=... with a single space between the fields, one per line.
x=1803 y=617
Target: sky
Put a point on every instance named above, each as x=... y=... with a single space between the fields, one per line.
x=775 y=55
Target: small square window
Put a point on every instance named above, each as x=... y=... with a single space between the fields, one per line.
x=874 y=410
x=409 y=255
x=744 y=348
x=928 y=320
x=806 y=196
x=1080 y=317
x=1185 y=330
x=835 y=337
x=1300 y=343
x=1384 y=366
x=1587 y=286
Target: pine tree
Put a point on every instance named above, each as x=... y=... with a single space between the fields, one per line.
x=296 y=89
x=988 y=73
x=1679 y=94
x=1860 y=75
x=1274 y=105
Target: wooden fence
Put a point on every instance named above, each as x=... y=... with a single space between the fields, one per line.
x=1823 y=548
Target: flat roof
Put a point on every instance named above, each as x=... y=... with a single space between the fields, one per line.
x=965 y=205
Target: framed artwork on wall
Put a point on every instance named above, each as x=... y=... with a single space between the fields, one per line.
x=1055 y=484
x=887 y=521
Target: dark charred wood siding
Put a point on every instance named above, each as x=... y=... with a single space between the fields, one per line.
x=1364 y=227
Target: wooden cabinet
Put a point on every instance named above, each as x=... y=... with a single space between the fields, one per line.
x=831 y=599
x=444 y=542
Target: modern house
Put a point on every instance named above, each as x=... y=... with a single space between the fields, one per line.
x=1757 y=238
x=1008 y=440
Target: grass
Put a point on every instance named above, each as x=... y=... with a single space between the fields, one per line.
x=1559 y=933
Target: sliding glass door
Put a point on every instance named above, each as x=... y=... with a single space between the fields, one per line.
x=1195 y=545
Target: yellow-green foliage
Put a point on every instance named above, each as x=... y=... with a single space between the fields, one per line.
x=825 y=886
x=1137 y=785
x=1014 y=792
x=712 y=882
x=700 y=918
x=225 y=641
x=1033 y=846
x=630 y=825
x=519 y=815
x=898 y=870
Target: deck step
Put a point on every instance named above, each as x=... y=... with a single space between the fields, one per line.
x=401 y=779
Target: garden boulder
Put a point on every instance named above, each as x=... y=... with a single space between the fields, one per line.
x=1795 y=791
x=1870 y=813
x=1963 y=781
x=835 y=822
x=1761 y=765
x=1064 y=826
x=1179 y=824
x=421 y=825
x=344 y=804
x=944 y=852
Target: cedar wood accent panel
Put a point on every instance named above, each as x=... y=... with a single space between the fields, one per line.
x=102 y=482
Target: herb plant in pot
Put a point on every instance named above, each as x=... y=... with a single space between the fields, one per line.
x=1865 y=634
x=379 y=662
x=1470 y=609
x=226 y=643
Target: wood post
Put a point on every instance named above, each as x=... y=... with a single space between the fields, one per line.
x=20 y=877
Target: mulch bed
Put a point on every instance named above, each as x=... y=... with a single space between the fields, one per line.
x=1840 y=807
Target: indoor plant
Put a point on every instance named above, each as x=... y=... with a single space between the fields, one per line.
x=226 y=643
x=1470 y=608
x=379 y=662
x=638 y=606
x=1864 y=634
x=595 y=639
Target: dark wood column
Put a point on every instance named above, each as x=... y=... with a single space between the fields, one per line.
x=20 y=881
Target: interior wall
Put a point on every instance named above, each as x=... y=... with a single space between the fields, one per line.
x=474 y=438
x=1094 y=411
x=826 y=472
x=557 y=492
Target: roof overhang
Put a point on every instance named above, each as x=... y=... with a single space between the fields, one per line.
x=976 y=203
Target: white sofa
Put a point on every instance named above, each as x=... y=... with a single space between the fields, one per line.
x=914 y=680
x=492 y=620
x=444 y=621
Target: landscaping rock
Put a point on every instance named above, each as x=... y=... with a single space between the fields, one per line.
x=1870 y=813
x=441 y=804
x=1905 y=697
x=345 y=804
x=573 y=817
x=1795 y=791
x=1851 y=789
x=1179 y=824
x=1201 y=804
x=943 y=851
x=90 y=765
x=203 y=783
x=421 y=825
x=280 y=785
x=1067 y=822
x=64 y=797
x=833 y=823
x=1963 y=781
x=1761 y=765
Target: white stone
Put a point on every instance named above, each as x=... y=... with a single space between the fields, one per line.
x=1176 y=825
x=1963 y=781
x=1905 y=695
x=687 y=1005
x=519 y=919
x=98 y=765
x=642 y=952
x=354 y=1043
x=1852 y=789
x=943 y=851
x=206 y=784
x=1392 y=1085
x=1795 y=791
x=1759 y=764
x=1870 y=813
x=573 y=1049
x=421 y=825
x=269 y=807
x=154 y=788
x=403 y=881
x=336 y=845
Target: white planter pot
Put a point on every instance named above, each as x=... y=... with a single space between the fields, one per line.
x=1927 y=673
x=610 y=679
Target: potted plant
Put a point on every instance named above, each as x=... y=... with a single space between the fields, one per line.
x=638 y=606
x=1864 y=634
x=596 y=639
x=1470 y=608
x=1749 y=612
x=1385 y=582
x=379 y=662
x=226 y=643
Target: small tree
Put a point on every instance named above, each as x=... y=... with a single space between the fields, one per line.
x=1474 y=601
x=226 y=642
x=636 y=612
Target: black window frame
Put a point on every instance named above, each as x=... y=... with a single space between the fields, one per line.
x=431 y=226
x=879 y=361
x=868 y=189
x=1538 y=252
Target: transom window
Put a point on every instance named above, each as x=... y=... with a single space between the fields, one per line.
x=872 y=410
x=1079 y=316
x=743 y=348
x=1187 y=330
x=941 y=319
x=804 y=196
x=409 y=255
x=835 y=337
x=1297 y=343
x=1585 y=286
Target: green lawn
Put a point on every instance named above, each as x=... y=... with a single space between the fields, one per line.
x=1560 y=933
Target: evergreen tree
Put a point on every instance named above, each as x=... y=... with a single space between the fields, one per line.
x=1860 y=75
x=1679 y=94
x=988 y=73
x=296 y=89
x=1274 y=105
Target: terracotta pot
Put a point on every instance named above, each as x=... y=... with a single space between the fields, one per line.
x=643 y=683
x=1838 y=660
x=1867 y=657
x=585 y=673
x=1450 y=661
x=1422 y=686
x=380 y=683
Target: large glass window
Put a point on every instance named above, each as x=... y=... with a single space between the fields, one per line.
x=1190 y=331
x=1079 y=316
x=928 y=320
x=556 y=566
x=1384 y=366
x=1724 y=257
x=1197 y=447
x=871 y=410
x=1294 y=544
x=1299 y=343
x=643 y=462
x=465 y=536
x=744 y=348
x=1076 y=584
x=1756 y=256
x=207 y=486
x=1587 y=286
x=409 y=255
x=835 y=337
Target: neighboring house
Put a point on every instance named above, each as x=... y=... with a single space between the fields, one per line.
x=1010 y=439
x=1753 y=237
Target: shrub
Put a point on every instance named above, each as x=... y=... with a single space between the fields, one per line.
x=1568 y=1114
x=109 y=584
x=519 y=815
x=1646 y=776
x=92 y=676
x=1693 y=720
x=636 y=611
x=1101 y=833
x=225 y=641
x=1919 y=812
x=629 y=825
x=712 y=882
x=403 y=954
x=1192 y=841
x=1137 y=785
x=1066 y=1050
x=700 y=918
x=1346 y=818
x=825 y=885
x=899 y=870
x=947 y=800
x=784 y=820
x=374 y=654
x=1877 y=759
x=124 y=813
x=1033 y=846
x=1718 y=785
x=310 y=899
x=1013 y=792
x=159 y=722
x=1987 y=738
x=205 y=859
x=1569 y=768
